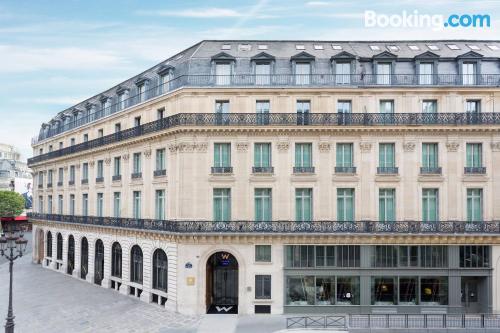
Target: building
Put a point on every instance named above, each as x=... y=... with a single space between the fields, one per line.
x=283 y=177
x=14 y=173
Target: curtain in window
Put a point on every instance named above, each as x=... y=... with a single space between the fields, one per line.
x=303 y=205
x=303 y=155
x=302 y=73
x=343 y=73
x=468 y=73
x=386 y=155
x=429 y=155
x=474 y=205
x=262 y=74
x=474 y=155
x=425 y=76
x=387 y=205
x=344 y=155
x=345 y=204
x=222 y=155
x=223 y=74
x=384 y=74
x=262 y=155
x=222 y=204
x=430 y=211
x=263 y=205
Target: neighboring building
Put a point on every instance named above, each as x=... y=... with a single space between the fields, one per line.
x=14 y=173
x=284 y=177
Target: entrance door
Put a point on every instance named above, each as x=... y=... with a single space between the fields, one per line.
x=470 y=294
x=99 y=262
x=71 y=255
x=222 y=283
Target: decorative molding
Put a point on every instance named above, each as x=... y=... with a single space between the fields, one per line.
x=242 y=146
x=452 y=146
x=147 y=153
x=173 y=147
x=65 y=168
x=91 y=163
x=495 y=146
x=409 y=146
x=186 y=147
x=107 y=160
x=324 y=147
x=125 y=157
x=202 y=147
x=365 y=147
x=283 y=146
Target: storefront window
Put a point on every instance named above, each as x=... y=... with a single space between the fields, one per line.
x=300 y=256
x=434 y=290
x=325 y=256
x=384 y=256
x=408 y=256
x=325 y=290
x=383 y=291
x=300 y=290
x=348 y=290
x=407 y=291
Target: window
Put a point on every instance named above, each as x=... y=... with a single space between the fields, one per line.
x=222 y=204
x=221 y=106
x=414 y=47
x=160 y=270
x=99 y=262
x=453 y=46
x=59 y=248
x=122 y=99
x=429 y=106
x=222 y=155
x=393 y=48
x=430 y=155
x=342 y=72
x=299 y=256
x=100 y=204
x=375 y=47
x=136 y=264
x=60 y=145
x=473 y=106
x=40 y=178
x=118 y=127
x=318 y=47
x=474 y=158
x=384 y=73
x=136 y=205
x=60 y=205
x=60 y=175
x=262 y=73
x=345 y=204
x=303 y=110
x=73 y=141
x=72 y=175
x=84 y=260
x=160 y=204
x=302 y=73
x=387 y=155
x=40 y=204
x=348 y=290
x=262 y=286
x=222 y=74
x=336 y=47
x=136 y=159
x=474 y=205
x=100 y=133
x=300 y=47
x=384 y=256
x=71 y=204
x=141 y=91
x=473 y=47
x=408 y=256
x=387 y=205
x=85 y=204
x=344 y=106
x=433 y=47
x=469 y=73
x=475 y=256
x=493 y=47
x=303 y=204
x=85 y=137
x=262 y=109
x=426 y=71
x=50 y=150
x=49 y=244
x=160 y=159
x=262 y=47
x=137 y=121
x=383 y=290
x=263 y=205
x=117 y=166
x=344 y=155
x=325 y=256
x=300 y=290
x=262 y=155
x=321 y=256
x=303 y=155
x=434 y=290
x=85 y=171
x=49 y=177
x=432 y=256
x=116 y=204
x=100 y=169
x=116 y=260
x=49 y=204
x=226 y=47
x=262 y=253
x=387 y=106
x=160 y=113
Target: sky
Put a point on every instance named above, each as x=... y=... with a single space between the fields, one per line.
x=56 y=53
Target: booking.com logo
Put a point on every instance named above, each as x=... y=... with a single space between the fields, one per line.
x=416 y=20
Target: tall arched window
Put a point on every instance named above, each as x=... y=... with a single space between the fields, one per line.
x=84 y=262
x=160 y=270
x=71 y=254
x=59 y=246
x=136 y=264
x=49 y=244
x=99 y=262
x=116 y=260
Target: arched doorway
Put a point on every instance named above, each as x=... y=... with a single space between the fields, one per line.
x=99 y=262
x=222 y=283
x=84 y=259
x=71 y=255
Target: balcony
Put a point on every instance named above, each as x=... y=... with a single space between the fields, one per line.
x=71 y=182
x=117 y=178
x=309 y=169
x=222 y=170
x=430 y=170
x=263 y=169
x=278 y=119
x=343 y=169
x=136 y=175
x=280 y=227
x=160 y=173
x=475 y=170
x=99 y=180
x=85 y=181
x=59 y=184
x=387 y=170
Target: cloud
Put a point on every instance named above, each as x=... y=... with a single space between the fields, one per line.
x=195 y=13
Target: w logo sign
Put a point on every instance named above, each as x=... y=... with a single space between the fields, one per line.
x=223 y=308
x=225 y=256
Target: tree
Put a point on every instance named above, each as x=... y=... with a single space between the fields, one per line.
x=11 y=204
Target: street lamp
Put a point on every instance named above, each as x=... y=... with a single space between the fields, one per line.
x=8 y=244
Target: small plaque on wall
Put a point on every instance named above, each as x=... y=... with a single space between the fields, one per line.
x=188 y=265
x=190 y=280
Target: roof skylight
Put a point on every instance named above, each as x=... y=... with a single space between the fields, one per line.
x=336 y=47
x=226 y=47
x=433 y=47
x=300 y=47
x=453 y=46
x=473 y=47
x=375 y=47
x=414 y=47
x=318 y=47
x=393 y=48
x=262 y=47
x=493 y=47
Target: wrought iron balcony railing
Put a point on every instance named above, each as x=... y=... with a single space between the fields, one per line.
x=475 y=170
x=344 y=169
x=85 y=181
x=116 y=178
x=303 y=169
x=278 y=119
x=59 y=184
x=49 y=185
x=159 y=173
x=217 y=170
x=269 y=169
x=99 y=180
x=40 y=185
x=136 y=175
x=71 y=182
x=430 y=170
x=280 y=80
x=387 y=170
x=332 y=227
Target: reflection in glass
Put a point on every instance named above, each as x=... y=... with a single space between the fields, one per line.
x=300 y=290
x=383 y=291
x=407 y=291
x=348 y=290
x=434 y=290
x=325 y=290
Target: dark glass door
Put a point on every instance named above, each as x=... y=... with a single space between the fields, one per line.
x=99 y=262
x=84 y=265
x=225 y=286
x=71 y=255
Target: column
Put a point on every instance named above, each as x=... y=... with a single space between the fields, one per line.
x=367 y=173
x=454 y=172
x=78 y=257
x=90 y=275
x=125 y=266
x=409 y=174
x=495 y=178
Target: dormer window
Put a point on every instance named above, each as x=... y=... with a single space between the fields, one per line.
x=123 y=95
x=453 y=46
x=141 y=84
x=223 y=73
x=166 y=76
x=244 y=47
x=106 y=104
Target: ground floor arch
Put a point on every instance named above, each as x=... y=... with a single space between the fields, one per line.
x=222 y=271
